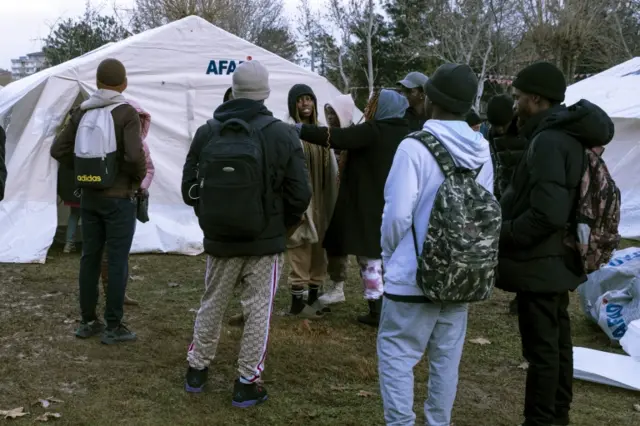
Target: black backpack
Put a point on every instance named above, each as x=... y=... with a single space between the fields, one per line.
x=235 y=191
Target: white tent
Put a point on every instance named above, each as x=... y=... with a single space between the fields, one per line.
x=617 y=91
x=179 y=74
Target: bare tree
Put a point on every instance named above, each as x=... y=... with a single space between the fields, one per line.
x=365 y=22
x=461 y=31
x=338 y=15
x=252 y=20
x=309 y=31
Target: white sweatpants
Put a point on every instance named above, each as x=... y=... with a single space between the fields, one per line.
x=406 y=330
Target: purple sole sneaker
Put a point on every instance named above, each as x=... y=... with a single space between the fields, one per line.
x=192 y=389
x=249 y=403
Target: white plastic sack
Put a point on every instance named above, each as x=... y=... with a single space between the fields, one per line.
x=611 y=296
x=631 y=340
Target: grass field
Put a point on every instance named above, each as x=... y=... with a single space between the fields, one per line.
x=315 y=371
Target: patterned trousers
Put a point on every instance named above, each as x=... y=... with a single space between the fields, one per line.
x=371 y=274
x=258 y=280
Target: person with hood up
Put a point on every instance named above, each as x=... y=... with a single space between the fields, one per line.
x=355 y=224
x=108 y=215
x=3 y=166
x=228 y=95
x=145 y=124
x=537 y=209
x=412 y=88
x=339 y=114
x=411 y=323
x=307 y=258
x=249 y=264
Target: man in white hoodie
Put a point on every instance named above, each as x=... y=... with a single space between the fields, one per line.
x=410 y=323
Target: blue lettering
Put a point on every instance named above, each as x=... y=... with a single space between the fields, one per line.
x=612 y=322
x=212 y=68
x=222 y=65
x=232 y=67
x=613 y=308
x=620 y=331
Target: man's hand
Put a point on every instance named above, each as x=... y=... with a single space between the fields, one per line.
x=143 y=193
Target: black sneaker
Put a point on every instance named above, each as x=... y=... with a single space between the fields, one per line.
x=195 y=380
x=89 y=329
x=121 y=333
x=245 y=396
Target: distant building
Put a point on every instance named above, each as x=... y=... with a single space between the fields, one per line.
x=27 y=65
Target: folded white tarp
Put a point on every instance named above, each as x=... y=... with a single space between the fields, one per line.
x=606 y=368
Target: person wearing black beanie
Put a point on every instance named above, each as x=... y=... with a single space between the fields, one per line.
x=537 y=259
x=307 y=257
x=537 y=88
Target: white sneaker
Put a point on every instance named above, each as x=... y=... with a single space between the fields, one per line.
x=69 y=247
x=334 y=293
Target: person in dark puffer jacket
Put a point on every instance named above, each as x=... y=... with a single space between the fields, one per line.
x=506 y=145
x=537 y=209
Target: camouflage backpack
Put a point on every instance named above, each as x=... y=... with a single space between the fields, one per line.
x=594 y=232
x=460 y=253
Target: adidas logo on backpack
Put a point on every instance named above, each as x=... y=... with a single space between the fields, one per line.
x=96 y=147
x=460 y=253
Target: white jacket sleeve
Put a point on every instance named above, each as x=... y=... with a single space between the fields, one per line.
x=485 y=177
x=400 y=195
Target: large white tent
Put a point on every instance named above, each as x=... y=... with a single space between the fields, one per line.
x=617 y=91
x=179 y=74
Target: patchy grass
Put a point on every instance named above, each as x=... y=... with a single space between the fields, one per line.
x=314 y=374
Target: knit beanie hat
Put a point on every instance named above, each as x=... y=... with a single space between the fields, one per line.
x=542 y=79
x=251 y=81
x=472 y=118
x=452 y=87
x=500 y=110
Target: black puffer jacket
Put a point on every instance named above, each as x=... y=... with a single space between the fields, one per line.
x=291 y=189
x=506 y=152
x=540 y=202
x=3 y=166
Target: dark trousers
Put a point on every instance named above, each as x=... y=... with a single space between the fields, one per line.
x=110 y=221
x=545 y=329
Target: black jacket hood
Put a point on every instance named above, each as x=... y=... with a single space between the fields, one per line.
x=297 y=91
x=243 y=109
x=585 y=121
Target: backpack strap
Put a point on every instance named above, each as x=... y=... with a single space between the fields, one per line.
x=437 y=149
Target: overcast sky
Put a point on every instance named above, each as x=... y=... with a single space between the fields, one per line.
x=24 y=23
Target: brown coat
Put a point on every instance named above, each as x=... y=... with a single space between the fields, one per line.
x=132 y=166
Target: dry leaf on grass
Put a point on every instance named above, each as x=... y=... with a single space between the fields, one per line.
x=136 y=278
x=14 y=413
x=193 y=310
x=306 y=325
x=46 y=402
x=69 y=321
x=339 y=388
x=365 y=394
x=636 y=407
x=46 y=416
x=174 y=285
x=524 y=366
x=481 y=341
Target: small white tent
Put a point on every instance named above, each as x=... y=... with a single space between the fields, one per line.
x=179 y=74
x=617 y=91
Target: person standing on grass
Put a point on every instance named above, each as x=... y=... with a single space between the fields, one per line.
x=507 y=147
x=339 y=114
x=538 y=208
x=255 y=164
x=145 y=125
x=355 y=224
x=410 y=322
x=307 y=258
x=3 y=166
x=108 y=213
x=412 y=88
